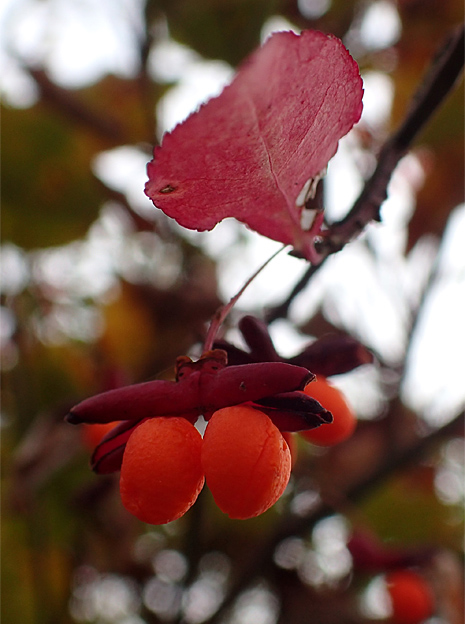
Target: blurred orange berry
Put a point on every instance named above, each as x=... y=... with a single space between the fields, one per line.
x=161 y=473
x=93 y=434
x=344 y=421
x=411 y=597
x=246 y=460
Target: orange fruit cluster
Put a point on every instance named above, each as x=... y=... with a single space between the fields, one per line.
x=243 y=457
x=411 y=597
x=344 y=421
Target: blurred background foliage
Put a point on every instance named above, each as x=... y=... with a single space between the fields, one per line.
x=99 y=289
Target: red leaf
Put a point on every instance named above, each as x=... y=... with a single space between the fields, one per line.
x=248 y=153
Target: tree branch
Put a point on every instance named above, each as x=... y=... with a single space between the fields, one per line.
x=437 y=84
x=65 y=102
x=262 y=557
x=442 y=76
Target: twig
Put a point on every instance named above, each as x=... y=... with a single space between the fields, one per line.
x=224 y=310
x=443 y=74
x=281 y=310
x=68 y=104
x=438 y=82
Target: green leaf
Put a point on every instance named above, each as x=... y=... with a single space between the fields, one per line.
x=220 y=29
x=50 y=196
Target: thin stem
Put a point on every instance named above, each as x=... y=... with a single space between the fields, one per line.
x=223 y=311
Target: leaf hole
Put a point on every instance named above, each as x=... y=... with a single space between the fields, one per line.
x=167 y=189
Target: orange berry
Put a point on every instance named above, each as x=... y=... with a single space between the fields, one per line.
x=161 y=473
x=93 y=434
x=246 y=460
x=344 y=421
x=292 y=444
x=411 y=597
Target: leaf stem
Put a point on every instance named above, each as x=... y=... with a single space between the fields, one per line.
x=223 y=311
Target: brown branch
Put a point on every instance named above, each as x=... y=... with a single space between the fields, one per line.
x=437 y=84
x=441 y=78
x=65 y=102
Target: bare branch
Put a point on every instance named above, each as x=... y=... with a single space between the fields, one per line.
x=442 y=76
